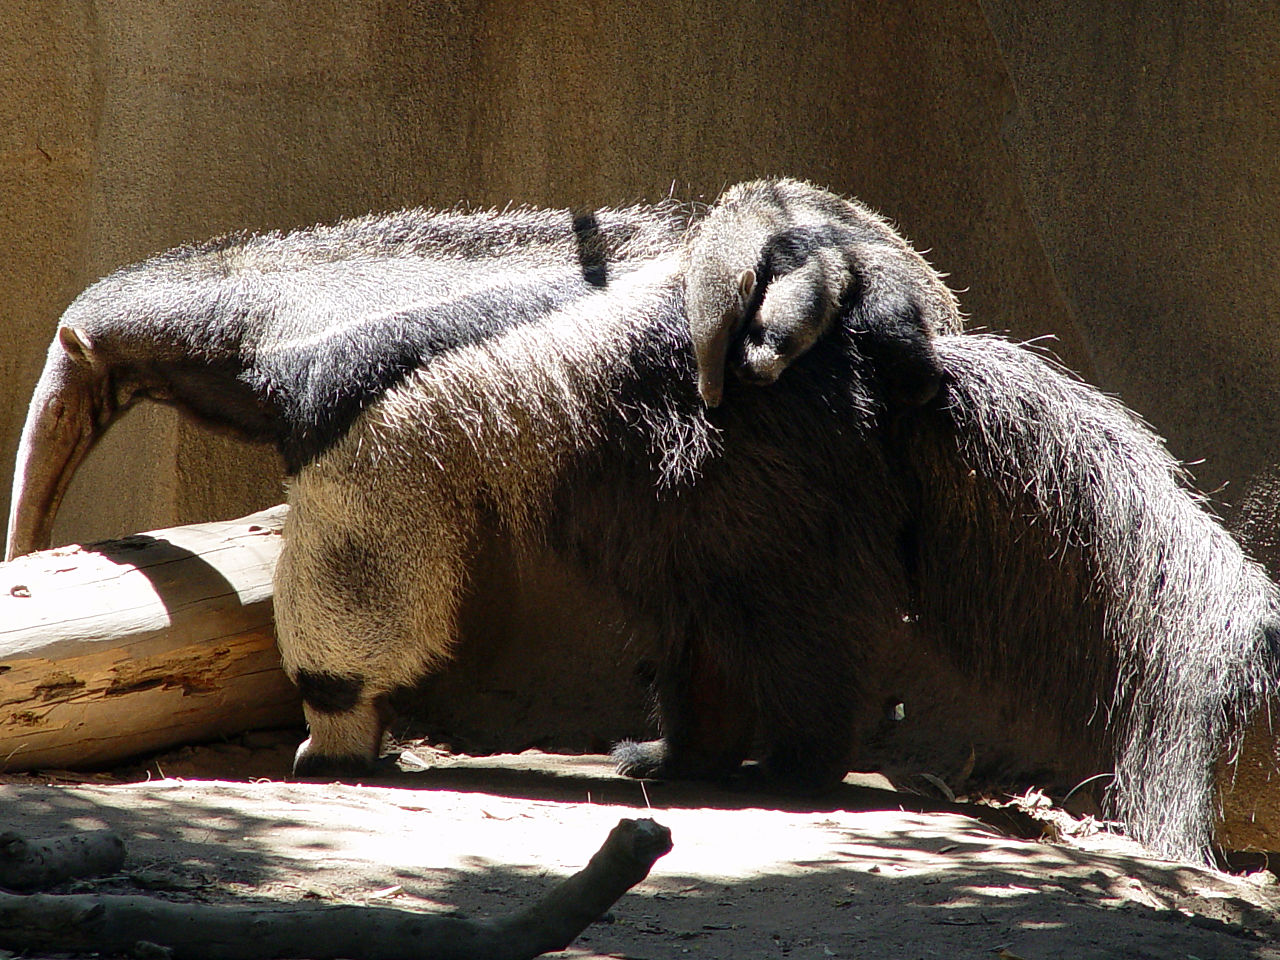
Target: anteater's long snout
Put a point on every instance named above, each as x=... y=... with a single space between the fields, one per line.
x=68 y=413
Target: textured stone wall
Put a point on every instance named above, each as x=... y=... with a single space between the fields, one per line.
x=1145 y=138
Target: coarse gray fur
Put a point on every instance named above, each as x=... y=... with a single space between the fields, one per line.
x=1091 y=579
x=771 y=266
x=780 y=552
x=283 y=338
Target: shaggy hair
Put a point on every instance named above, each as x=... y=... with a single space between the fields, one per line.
x=1062 y=551
x=436 y=381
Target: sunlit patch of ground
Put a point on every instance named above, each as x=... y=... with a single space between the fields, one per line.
x=749 y=876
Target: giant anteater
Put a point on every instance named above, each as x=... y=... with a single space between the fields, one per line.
x=432 y=378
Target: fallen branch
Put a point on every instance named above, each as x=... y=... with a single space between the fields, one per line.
x=35 y=864
x=196 y=931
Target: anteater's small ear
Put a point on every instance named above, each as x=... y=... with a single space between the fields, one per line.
x=77 y=345
x=746 y=286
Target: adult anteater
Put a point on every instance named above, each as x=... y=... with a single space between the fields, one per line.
x=433 y=380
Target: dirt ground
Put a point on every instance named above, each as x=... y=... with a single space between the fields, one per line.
x=866 y=873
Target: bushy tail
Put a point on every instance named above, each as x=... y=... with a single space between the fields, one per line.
x=1062 y=549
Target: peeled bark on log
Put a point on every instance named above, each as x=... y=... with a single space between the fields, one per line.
x=197 y=931
x=131 y=645
x=36 y=864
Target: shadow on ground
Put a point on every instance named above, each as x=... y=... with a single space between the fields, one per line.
x=863 y=873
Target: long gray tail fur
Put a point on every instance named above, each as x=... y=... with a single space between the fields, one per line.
x=1060 y=547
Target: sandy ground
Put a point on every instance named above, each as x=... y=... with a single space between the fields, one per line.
x=866 y=873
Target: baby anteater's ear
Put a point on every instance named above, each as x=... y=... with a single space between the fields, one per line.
x=806 y=274
x=721 y=291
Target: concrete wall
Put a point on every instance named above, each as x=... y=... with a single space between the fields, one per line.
x=1146 y=139
x=1101 y=173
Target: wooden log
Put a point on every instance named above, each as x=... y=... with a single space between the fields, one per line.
x=126 y=646
x=200 y=931
x=38 y=863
